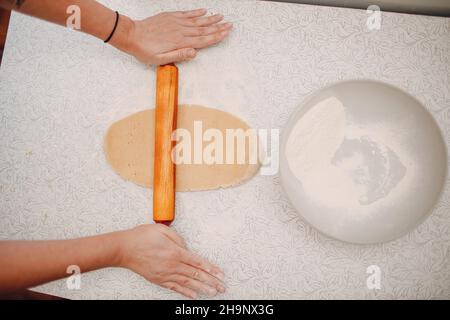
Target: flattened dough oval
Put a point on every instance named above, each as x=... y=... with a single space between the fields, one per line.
x=129 y=149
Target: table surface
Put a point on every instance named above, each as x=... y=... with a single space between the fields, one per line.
x=60 y=90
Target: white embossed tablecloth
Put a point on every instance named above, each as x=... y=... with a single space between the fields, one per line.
x=60 y=90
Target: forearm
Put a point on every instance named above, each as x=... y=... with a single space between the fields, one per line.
x=96 y=19
x=25 y=264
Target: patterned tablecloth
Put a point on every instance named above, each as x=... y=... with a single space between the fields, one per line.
x=60 y=90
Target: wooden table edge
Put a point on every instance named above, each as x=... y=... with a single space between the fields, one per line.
x=5 y=16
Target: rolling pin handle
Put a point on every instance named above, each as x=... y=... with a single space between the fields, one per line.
x=165 y=124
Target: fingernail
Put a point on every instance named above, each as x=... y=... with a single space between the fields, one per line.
x=194 y=296
x=227 y=25
x=212 y=292
x=192 y=53
x=221 y=289
x=224 y=33
x=219 y=275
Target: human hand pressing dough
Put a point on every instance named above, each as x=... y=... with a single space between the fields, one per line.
x=174 y=36
x=159 y=254
x=161 y=39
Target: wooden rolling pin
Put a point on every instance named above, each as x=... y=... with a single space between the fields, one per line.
x=165 y=125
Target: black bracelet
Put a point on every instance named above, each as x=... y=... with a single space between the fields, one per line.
x=114 y=29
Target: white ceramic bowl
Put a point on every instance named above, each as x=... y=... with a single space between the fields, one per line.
x=363 y=162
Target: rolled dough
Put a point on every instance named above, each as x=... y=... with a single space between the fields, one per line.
x=129 y=149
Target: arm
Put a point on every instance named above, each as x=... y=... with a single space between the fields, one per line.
x=25 y=264
x=154 y=251
x=164 y=38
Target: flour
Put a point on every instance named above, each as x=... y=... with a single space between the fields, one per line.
x=342 y=165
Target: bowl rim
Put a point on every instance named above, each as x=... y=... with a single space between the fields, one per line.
x=301 y=108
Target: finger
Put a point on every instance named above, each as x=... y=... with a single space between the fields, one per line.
x=197 y=286
x=202 y=276
x=198 y=262
x=180 y=289
x=202 y=21
x=206 y=41
x=176 y=56
x=205 y=31
x=172 y=235
x=190 y=13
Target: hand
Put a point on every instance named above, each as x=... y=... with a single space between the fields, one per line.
x=174 y=36
x=159 y=254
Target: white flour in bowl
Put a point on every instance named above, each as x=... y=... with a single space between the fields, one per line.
x=340 y=164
